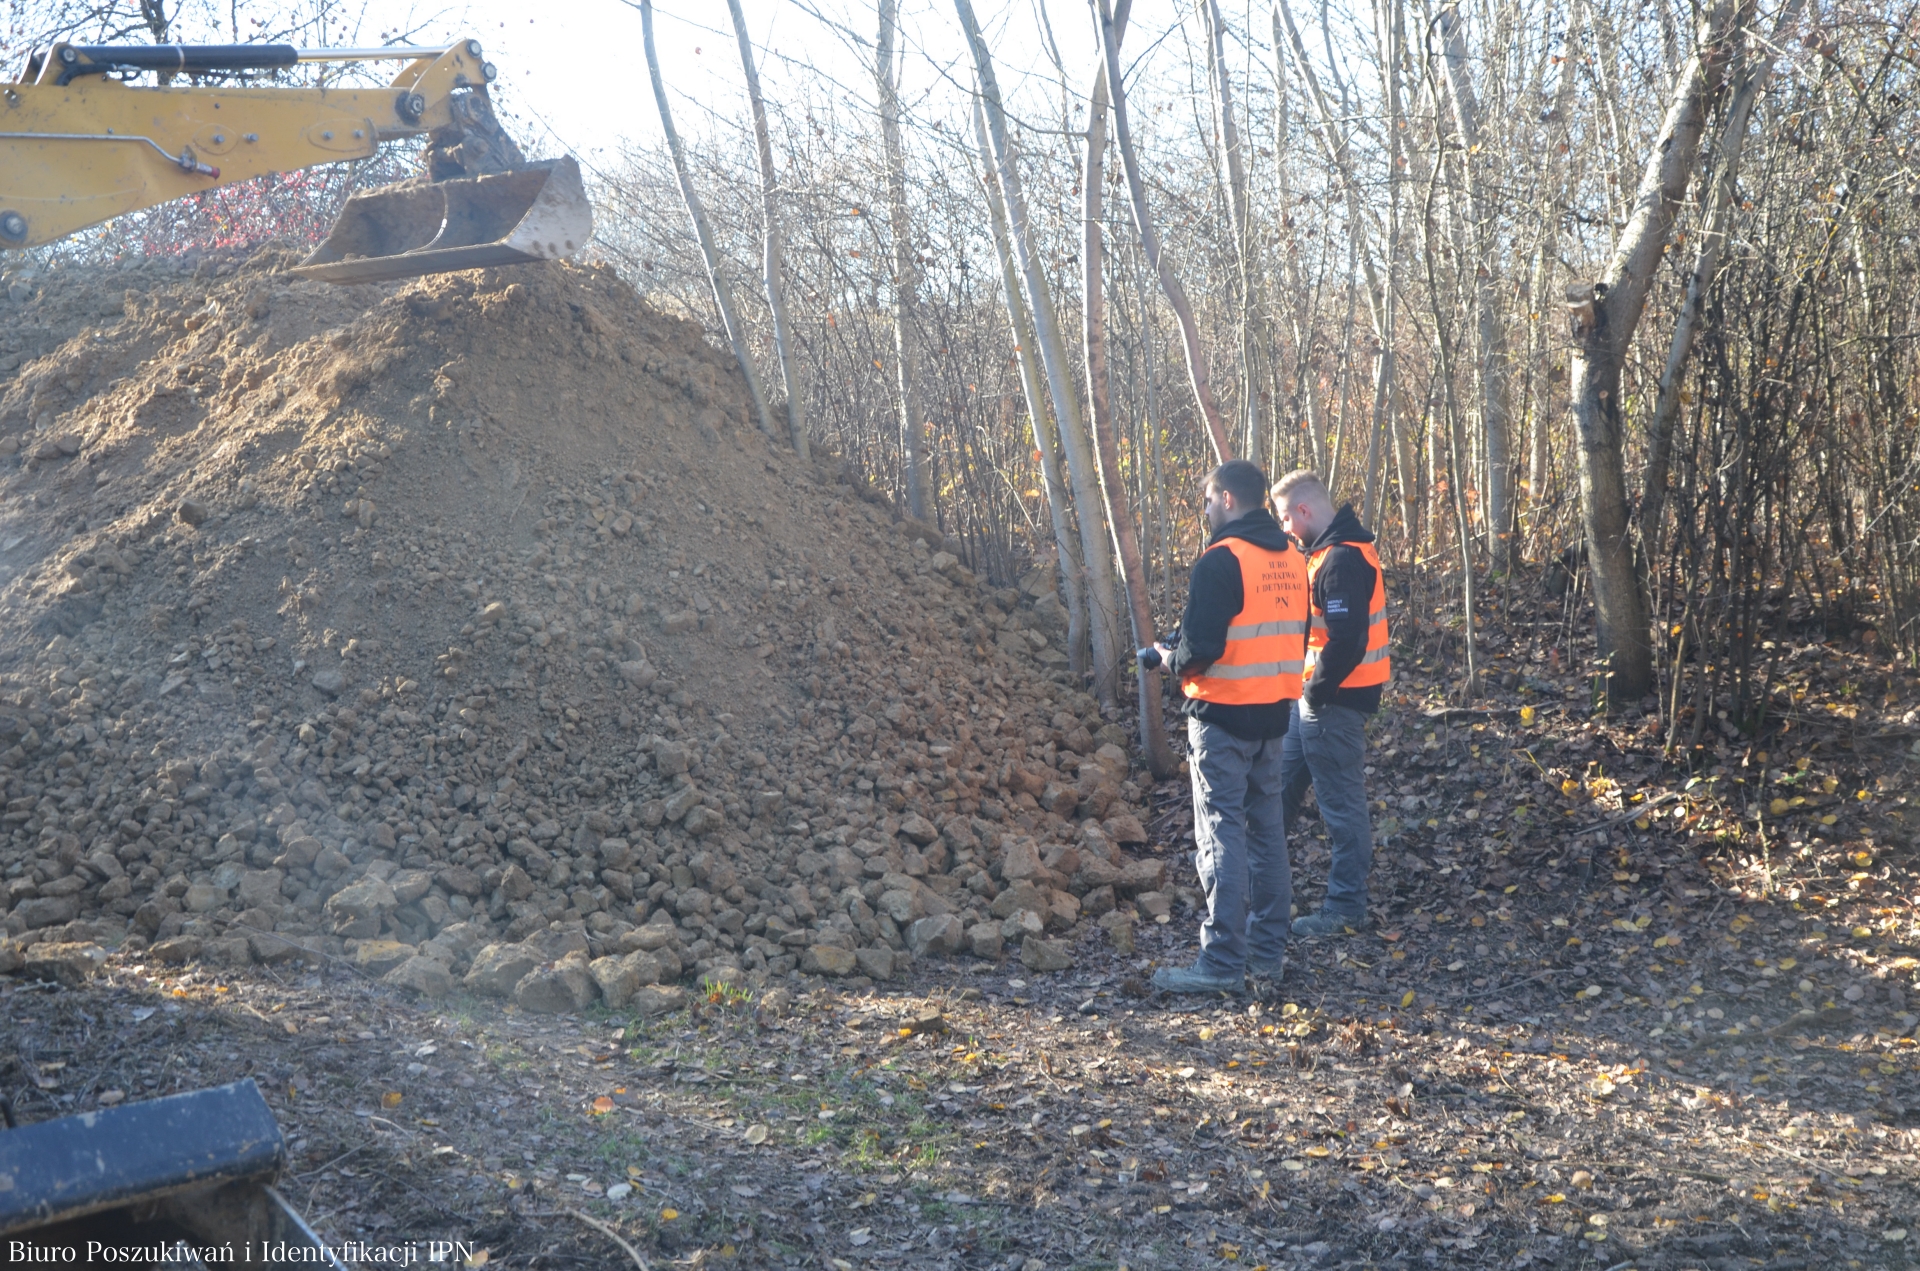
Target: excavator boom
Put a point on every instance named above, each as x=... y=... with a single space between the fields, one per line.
x=79 y=146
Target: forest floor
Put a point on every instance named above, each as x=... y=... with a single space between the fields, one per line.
x=1613 y=1011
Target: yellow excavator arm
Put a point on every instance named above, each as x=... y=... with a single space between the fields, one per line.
x=78 y=147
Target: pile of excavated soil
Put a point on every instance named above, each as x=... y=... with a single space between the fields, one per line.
x=468 y=628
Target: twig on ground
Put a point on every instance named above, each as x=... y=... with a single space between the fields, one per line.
x=614 y=1236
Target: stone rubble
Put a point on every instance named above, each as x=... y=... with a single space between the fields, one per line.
x=467 y=630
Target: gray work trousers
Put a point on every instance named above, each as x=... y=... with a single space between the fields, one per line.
x=1240 y=842
x=1327 y=749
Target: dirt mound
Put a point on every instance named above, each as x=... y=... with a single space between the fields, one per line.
x=411 y=622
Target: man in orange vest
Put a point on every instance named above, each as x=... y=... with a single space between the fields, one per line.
x=1239 y=662
x=1347 y=665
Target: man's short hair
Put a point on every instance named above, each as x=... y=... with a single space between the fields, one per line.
x=1302 y=482
x=1243 y=480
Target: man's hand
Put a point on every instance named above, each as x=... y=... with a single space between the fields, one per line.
x=1166 y=656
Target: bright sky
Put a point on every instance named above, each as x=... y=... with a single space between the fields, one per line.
x=577 y=68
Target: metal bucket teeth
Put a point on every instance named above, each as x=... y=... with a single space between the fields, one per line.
x=539 y=212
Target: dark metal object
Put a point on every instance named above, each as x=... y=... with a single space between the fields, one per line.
x=186 y=57
x=1149 y=657
x=184 y=1173
x=77 y=1165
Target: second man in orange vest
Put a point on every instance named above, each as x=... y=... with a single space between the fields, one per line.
x=1347 y=666
x=1240 y=659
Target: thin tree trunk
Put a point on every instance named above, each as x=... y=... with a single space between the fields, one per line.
x=906 y=272
x=1490 y=370
x=1153 y=733
x=1706 y=263
x=1150 y=243
x=1233 y=167
x=1073 y=568
x=702 y=228
x=1103 y=605
x=1605 y=315
x=1558 y=193
x=1456 y=478
x=774 y=241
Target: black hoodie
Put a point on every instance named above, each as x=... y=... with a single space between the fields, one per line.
x=1343 y=591
x=1214 y=596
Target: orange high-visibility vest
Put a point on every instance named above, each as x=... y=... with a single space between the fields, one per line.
x=1376 y=667
x=1266 y=651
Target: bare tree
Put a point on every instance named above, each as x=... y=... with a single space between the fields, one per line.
x=1102 y=598
x=1093 y=264
x=1045 y=444
x=906 y=271
x=774 y=252
x=702 y=227
x=1176 y=295
x=1604 y=315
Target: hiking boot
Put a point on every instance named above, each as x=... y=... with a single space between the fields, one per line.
x=1327 y=923
x=1187 y=979
x=1267 y=970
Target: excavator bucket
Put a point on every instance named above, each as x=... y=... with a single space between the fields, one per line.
x=539 y=212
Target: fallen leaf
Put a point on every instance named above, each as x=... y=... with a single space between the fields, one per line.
x=602 y=1106
x=110 y=1097
x=756 y=1134
x=391 y=1099
x=860 y=1236
x=668 y=1215
x=1293 y=1166
x=1406 y=999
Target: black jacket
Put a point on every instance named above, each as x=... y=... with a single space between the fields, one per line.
x=1214 y=596
x=1343 y=591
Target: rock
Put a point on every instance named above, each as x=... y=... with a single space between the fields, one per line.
x=514 y=883
x=646 y=938
x=1016 y=898
x=260 y=888
x=10 y=956
x=556 y=987
x=616 y=977
x=897 y=905
x=410 y=885
x=1021 y=861
x=774 y=1003
x=1044 y=955
x=1114 y=760
x=1119 y=929
x=648 y=968
x=1097 y=902
x=827 y=959
x=918 y=828
x=1155 y=905
x=377 y=957
x=204 y=898
x=45 y=911
x=66 y=964
x=656 y=999
x=332 y=683
x=176 y=950
x=1141 y=876
x=357 y=909
x=192 y=511
x=936 y=933
x=425 y=976
x=985 y=940
x=498 y=967
x=1126 y=830
x=461 y=881
x=270 y=948
x=875 y=963
x=1022 y=923
x=231 y=951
